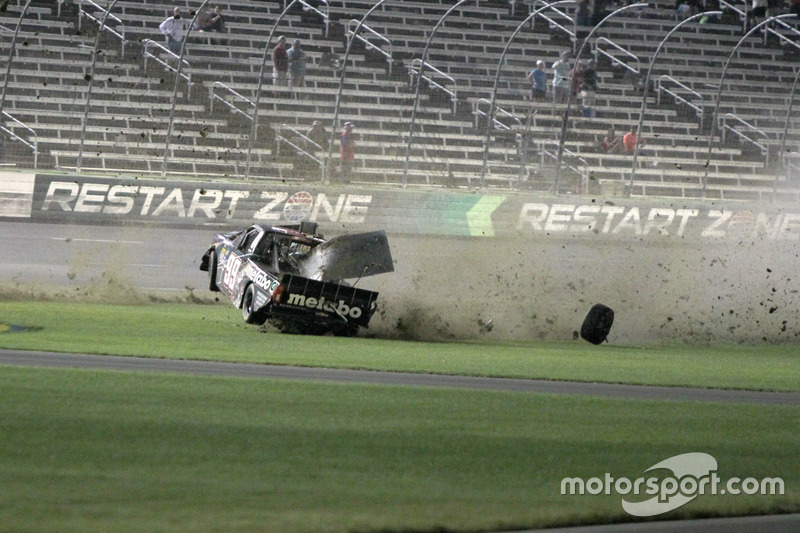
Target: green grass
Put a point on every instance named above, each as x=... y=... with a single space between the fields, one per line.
x=107 y=451
x=216 y=332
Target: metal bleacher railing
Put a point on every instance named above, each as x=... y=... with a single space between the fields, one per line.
x=352 y=27
x=163 y=52
x=132 y=102
x=414 y=70
x=688 y=97
x=83 y=12
x=745 y=133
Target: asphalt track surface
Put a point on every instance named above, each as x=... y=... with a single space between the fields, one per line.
x=259 y=371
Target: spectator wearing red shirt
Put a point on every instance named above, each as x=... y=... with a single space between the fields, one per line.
x=280 y=62
x=347 y=152
x=631 y=141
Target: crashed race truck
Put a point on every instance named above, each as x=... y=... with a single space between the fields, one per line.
x=295 y=279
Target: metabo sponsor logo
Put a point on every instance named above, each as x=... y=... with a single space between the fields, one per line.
x=692 y=474
x=321 y=304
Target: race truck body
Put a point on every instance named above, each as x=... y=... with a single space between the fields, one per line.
x=294 y=278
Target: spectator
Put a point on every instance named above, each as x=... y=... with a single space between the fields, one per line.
x=297 y=65
x=774 y=7
x=583 y=16
x=598 y=11
x=538 y=77
x=210 y=22
x=318 y=134
x=280 y=62
x=611 y=144
x=348 y=152
x=561 y=85
x=759 y=11
x=589 y=90
x=632 y=142
x=173 y=29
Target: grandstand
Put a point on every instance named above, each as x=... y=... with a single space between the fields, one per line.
x=127 y=129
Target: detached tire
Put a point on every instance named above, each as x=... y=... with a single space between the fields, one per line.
x=212 y=272
x=248 y=302
x=597 y=324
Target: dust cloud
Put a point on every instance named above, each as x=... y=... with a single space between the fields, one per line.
x=502 y=289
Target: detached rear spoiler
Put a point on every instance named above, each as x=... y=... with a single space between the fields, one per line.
x=348 y=257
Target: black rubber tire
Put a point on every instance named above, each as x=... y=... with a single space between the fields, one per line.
x=597 y=324
x=212 y=272
x=250 y=316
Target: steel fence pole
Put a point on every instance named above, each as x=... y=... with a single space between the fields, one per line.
x=714 y=117
x=175 y=88
x=416 y=90
x=786 y=127
x=91 y=84
x=254 y=126
x=326 y=167
x=647 y=85
x=490 y=116
x=11 y=50
x=565 y=122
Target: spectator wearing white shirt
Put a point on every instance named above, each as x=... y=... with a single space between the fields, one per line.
x=173 y=29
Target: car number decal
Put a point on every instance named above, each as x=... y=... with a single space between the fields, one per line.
x=231 y=267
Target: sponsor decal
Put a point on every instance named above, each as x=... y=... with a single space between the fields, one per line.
x=298 y=207
x=350 y=208
x=682 y=478
x=664 y=221
x=201 y=202
x=321 y=304
x=261 y=278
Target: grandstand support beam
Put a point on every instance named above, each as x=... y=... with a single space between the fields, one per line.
x=106 y=13
x=786 y=127
x=714 y=117
x=565 y=122
x=419 y=83
x=175 y=88
x=646 y=85
x=490 y=114
x=11 y=50
x=264 y=57
x=326 y=171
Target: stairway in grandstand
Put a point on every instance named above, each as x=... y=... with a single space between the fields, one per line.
x=127 y=125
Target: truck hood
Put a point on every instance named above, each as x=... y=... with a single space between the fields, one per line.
x=348 y=257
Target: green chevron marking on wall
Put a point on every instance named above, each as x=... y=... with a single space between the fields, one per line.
x=480 y=216
x=456 y=214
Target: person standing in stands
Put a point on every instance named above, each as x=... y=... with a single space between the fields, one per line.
x=347 y=152
x=211 y=22
x=280 y=62
x=173 y=29
x=297 y=65
x=538 y=77
x=631 y=142
x=561 y=84
x=318 y=134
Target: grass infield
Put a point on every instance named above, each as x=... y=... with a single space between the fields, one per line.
x=111 y=451
x=216 y=332
x=108 y=451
